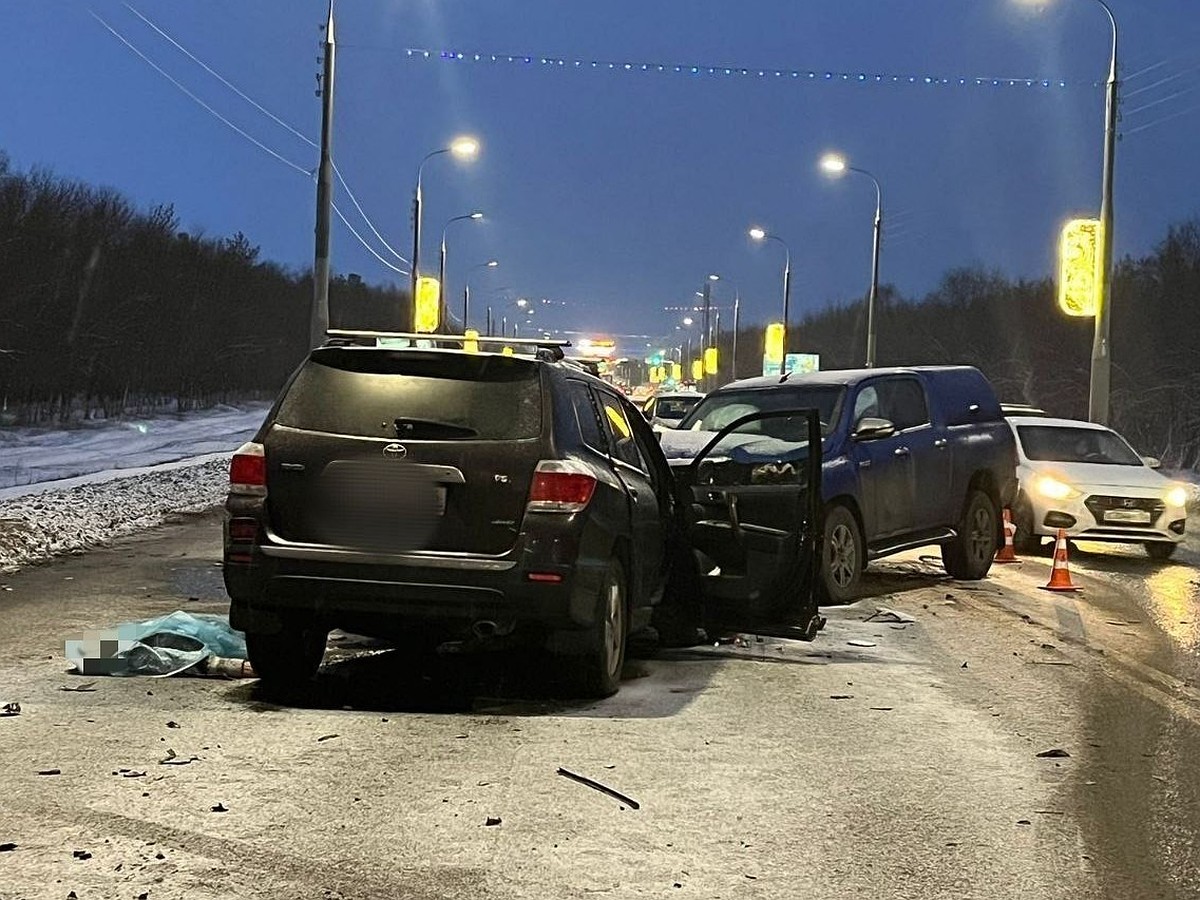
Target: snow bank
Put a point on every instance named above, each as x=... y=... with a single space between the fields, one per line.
x=38 y=526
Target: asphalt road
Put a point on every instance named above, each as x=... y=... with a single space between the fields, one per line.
x=763 y=768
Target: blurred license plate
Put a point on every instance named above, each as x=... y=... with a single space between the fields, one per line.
x=1129 y=516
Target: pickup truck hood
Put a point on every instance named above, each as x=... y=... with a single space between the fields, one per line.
x=680 y=447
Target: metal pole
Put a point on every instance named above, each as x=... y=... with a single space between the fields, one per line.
x=737 y=305
x=416 y=249
x=874 y=295
x=706 y=333
x=466 y=306
x=1099 y=394
x=716 y=342
x=787 y=302
x=442 y=283
x=504 y=326
x=488 y=324
x=319 y=315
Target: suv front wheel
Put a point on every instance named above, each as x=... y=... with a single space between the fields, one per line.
x=969 y=556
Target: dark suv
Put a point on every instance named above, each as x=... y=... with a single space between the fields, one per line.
x=445 y=495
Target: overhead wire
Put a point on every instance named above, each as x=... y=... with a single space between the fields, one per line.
x=257 y=143
x=1160 y=102
x=274 y=118
x=1189 y=71
x=1167 y=118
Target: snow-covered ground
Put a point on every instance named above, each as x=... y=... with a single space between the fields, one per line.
x=66 y=490
x=34 y=456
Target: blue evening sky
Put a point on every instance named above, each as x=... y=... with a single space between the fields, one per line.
x=616 y=192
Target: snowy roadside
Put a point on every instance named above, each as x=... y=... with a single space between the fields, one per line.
x=38 y=526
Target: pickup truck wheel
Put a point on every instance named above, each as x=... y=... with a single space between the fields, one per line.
x=842 y=556
x=598 y=672
x=289 y=658
x=969 y=556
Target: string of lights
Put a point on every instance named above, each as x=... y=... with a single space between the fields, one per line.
x=808 y=76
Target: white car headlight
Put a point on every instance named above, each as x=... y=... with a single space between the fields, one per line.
x=1054 y=489
x=1177 y=496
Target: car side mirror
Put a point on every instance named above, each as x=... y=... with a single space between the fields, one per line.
x=871 y=429
x=1152 y=461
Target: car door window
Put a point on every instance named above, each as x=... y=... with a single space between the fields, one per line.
x=866 y=405
x=620 y=433
x=585 y=415
x=902 y=402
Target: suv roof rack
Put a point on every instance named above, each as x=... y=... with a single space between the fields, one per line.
x=553 y=349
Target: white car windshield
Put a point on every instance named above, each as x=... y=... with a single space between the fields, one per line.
x=1076 y=445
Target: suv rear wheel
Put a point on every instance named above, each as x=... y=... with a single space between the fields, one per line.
x=599 y=672
x=843 y=556
x=288 y=658
x=969 y=556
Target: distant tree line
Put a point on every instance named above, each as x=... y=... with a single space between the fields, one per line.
x=105 y=309
x=1032 y=353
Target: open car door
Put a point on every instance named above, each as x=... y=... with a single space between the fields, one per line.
x=750 y=503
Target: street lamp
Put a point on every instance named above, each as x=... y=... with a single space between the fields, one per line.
x=464 y=148
x=490 y=264
x=835 y=165
x=1101 y=379
x=469 y=217
x=761 y=235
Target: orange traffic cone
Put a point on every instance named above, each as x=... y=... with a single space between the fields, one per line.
x=1007 y=553
x=1060 y=575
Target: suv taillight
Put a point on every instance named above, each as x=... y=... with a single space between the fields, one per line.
x=561 y=486
x=248 y=471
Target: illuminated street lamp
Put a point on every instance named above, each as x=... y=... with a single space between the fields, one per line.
x=835 y=165
x=469 y=217
x=490 y=264
x=761 y=235
x=464 y=148
x=1098 y=393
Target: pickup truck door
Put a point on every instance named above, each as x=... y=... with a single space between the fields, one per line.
x=885 y=471
x=904 y=403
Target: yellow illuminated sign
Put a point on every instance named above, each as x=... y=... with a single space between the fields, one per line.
x=710 y=361
x=471 y=344
x=427 y=307
x=676 y=371
x=1080 y=273
x=697 y=369
x=656 y=374
x=507 y=351
x=774 y=342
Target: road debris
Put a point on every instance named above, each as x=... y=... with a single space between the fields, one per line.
x=130 y=773
x=85 y=688
x=174 y=759
x=50 y=772
x=841 y=696
x=7 y=847
x=1024 y=822
x=883 y=614
x=220 y=807
x=860 y=643
x=882 y=708
x=602 y=788
x=327 y=737
x=492 y=820
x=11 y=708
x=1054 y=753
x=81 y=854
x=172 y=724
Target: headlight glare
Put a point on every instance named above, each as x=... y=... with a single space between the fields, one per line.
x=1177 y=496
x=1054 y=489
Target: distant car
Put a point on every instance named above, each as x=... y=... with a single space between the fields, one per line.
x=1086 y=479
x=912 y=456
x=432 y=494
x=666 y=410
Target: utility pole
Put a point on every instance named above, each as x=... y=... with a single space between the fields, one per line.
x=705 y=333
x=737 y=307
x=1098 y=394
x=319 y=317
x=466 y=306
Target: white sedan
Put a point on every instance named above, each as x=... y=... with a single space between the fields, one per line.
x=1087 y=480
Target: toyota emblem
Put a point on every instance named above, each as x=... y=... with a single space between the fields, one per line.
x=395 y=451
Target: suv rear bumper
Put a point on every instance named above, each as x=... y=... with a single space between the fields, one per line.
x=386 y=594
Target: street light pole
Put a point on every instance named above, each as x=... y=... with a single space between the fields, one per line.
x=319 y=316
x=1099 y=395
x=442 y=314
x=737 y=307
x=761 y=235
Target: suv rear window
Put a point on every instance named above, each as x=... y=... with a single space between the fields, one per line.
x=422 y=396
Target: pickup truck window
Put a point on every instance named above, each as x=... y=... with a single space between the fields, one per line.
x=717 y=410
x=903 y=401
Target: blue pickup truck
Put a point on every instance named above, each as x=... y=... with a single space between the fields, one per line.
x=911 y=457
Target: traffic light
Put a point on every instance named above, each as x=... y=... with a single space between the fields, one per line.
x=1079 y=267
x=427 y=306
